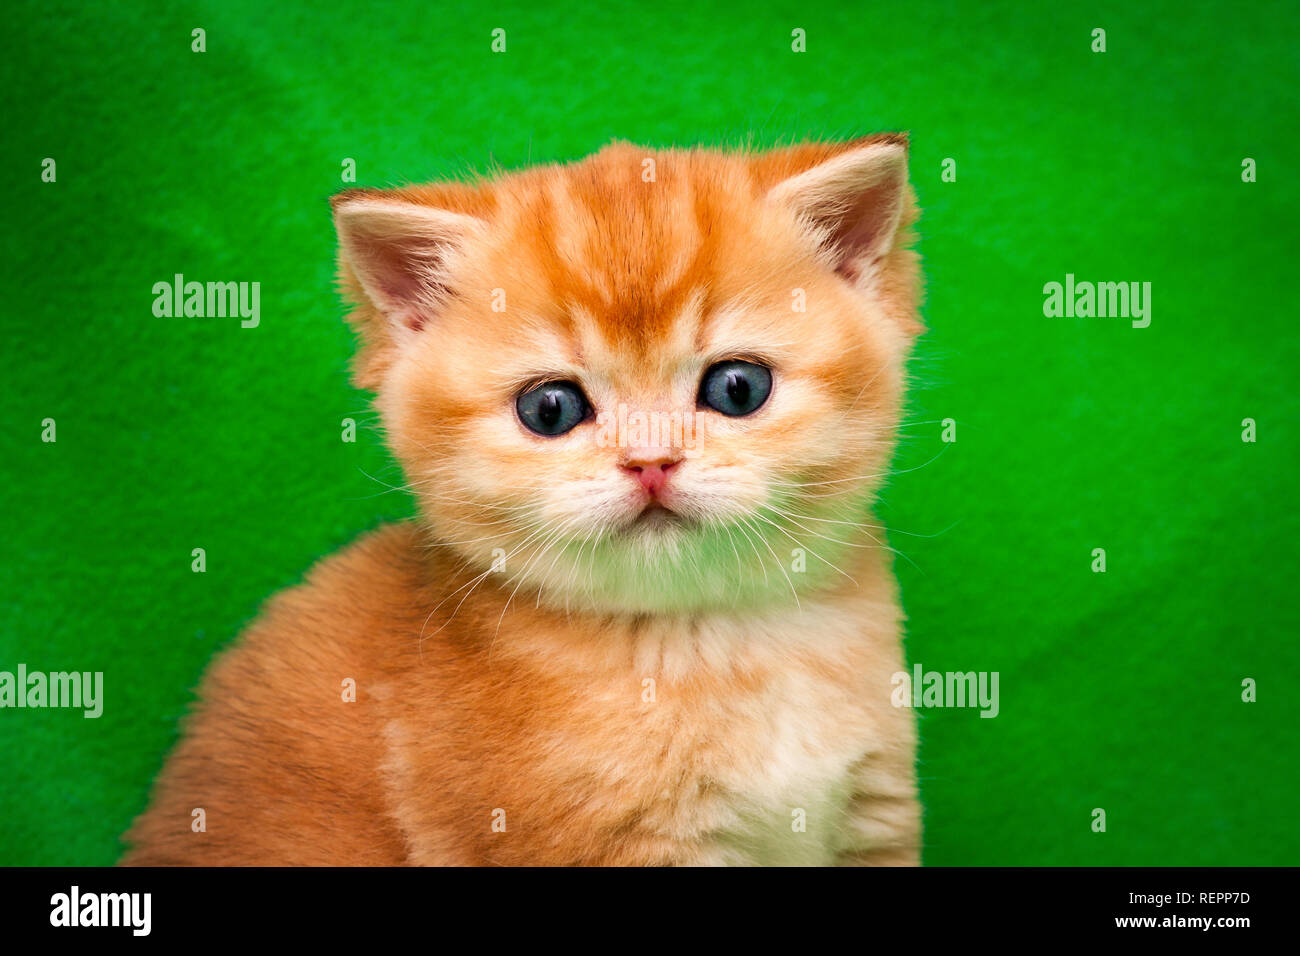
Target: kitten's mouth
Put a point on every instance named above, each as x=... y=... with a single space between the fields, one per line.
x=655 y=516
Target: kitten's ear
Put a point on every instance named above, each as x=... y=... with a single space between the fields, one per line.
x=401 y=253
x=854 y=200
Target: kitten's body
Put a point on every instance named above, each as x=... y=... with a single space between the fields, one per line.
x=655 y=704
x=751 y=719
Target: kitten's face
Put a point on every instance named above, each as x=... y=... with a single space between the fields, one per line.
x=644 y=396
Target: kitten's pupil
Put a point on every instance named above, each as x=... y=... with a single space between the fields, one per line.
x=737 y=388
x=550 y=409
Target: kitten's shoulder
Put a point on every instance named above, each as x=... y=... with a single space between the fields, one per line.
x=351 y=607
x=285 y=721
x=382 y=570
x=339 y=624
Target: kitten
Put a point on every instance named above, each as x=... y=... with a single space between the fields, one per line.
x=604 y=642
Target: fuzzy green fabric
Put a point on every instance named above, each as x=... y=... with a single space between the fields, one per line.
x=1119 y=690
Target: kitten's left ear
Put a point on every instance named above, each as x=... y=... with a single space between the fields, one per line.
x=854 y=201
x=401 y=253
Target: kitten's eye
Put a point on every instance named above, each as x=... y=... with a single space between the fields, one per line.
x=553 y=408
x=735 y=388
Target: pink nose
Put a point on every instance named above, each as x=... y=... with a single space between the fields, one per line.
x=653 y=475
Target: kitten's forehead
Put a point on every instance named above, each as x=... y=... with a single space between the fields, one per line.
x=633 y=262
x=644 y=362
x=637 y=266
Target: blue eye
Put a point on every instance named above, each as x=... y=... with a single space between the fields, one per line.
x=735 y=388
x=552 y=408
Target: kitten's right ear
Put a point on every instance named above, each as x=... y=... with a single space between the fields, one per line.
x=402 y=254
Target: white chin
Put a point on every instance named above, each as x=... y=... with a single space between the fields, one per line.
x=654 y=523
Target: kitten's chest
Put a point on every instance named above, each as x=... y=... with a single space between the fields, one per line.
x=756 y=767
x=774 y=786
x=726 y=746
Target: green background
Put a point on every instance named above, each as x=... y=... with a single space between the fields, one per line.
x=1119 y=690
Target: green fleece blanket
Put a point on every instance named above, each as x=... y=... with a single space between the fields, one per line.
x=1038 y=158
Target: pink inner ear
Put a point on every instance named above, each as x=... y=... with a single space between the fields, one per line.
x=855 y=200
x=401 y=253
x=861 y=233
x=403 y=276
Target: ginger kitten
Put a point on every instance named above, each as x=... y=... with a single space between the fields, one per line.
x=645 y=401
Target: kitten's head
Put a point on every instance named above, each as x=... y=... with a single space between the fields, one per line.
x=650 y=381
